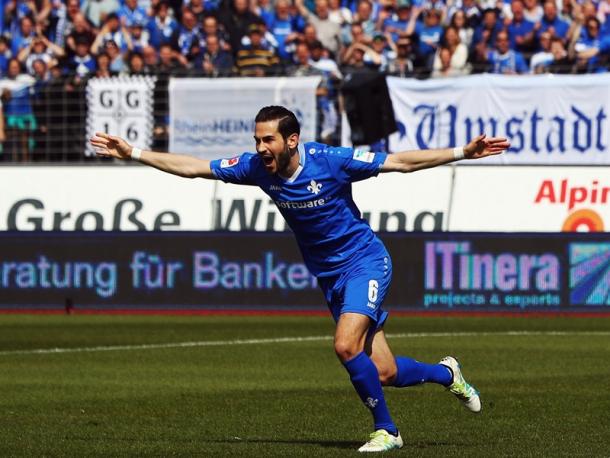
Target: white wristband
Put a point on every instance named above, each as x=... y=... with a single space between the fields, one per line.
x=136 y=153
x=458 y=153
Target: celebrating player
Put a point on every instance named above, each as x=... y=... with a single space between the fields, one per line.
x=311 y=185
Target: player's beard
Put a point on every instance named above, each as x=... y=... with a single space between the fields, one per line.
x=283 y=159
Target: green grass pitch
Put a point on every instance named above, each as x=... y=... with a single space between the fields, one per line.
x=545 y=388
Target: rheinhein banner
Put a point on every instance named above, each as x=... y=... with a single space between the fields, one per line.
x=214 y=118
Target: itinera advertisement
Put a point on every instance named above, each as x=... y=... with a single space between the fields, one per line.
x=472 y=272
x=549 y=119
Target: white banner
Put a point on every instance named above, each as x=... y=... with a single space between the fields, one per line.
x=140 y=198
x=123 y=106
x=549 y=119
x=531 y=199
x=494 y=199
x=214 y=118
x=102 y=198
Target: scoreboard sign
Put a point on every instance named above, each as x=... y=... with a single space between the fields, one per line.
x=123 y=106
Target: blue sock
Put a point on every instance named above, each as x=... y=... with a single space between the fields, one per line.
x=365 y=378
x=411 y=372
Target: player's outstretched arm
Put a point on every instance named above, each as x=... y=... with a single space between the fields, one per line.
x=410 y=161
x=177 y=164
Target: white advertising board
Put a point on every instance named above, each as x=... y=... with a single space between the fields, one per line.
x=139 y=198
x=549 y=119
x=103 y=198
x=494 y=199
x=214 y=118
x=537 y=199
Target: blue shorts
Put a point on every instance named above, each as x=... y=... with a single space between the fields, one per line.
x=361 y=289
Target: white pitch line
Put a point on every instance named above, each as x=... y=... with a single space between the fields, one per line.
x=218 y=343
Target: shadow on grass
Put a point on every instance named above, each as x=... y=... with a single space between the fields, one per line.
x=322 y=443
x=334 y=444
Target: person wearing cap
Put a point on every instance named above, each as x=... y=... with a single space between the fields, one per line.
x=380 y=53
x=397 y=23
x=255 y=59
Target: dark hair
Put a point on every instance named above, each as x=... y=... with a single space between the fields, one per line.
x=288 y=123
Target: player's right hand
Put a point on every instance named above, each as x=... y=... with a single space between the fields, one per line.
x=110 y=146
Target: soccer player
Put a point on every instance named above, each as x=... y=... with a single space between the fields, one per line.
x=311 y=185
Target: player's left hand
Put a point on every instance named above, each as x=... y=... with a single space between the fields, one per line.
x=482 y=146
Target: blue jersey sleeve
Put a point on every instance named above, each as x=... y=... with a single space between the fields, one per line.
x=236 y=170
x=357 y=164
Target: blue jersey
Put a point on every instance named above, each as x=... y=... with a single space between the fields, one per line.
x=316 y=201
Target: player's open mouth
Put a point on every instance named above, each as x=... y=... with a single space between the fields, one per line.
x=267 y=159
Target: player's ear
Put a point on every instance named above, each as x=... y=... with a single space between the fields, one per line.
x=292 y=141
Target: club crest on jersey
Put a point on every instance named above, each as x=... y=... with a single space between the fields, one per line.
x=314 y=187
x=229 y=162
x=364 y=156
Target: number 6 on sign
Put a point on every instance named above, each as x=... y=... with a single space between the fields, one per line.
x=373 y=288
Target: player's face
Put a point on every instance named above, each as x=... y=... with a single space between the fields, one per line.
x=273 y=150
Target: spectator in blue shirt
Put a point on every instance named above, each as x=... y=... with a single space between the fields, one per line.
x=130 y=13
x=5 y=54
x=284 y=27
x=114 y=31
x=521 y=32
x=82 y=62
x=589 y=38
x=210 y=28
x=162 y=27
x=428 y=32
x=397 y=23
x=550 y=21
x=213 y=61
x=485 y=34
x=189 y=34
x=23 y=36
x=505 y=60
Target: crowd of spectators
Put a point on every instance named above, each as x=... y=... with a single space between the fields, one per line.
x=50 y=47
